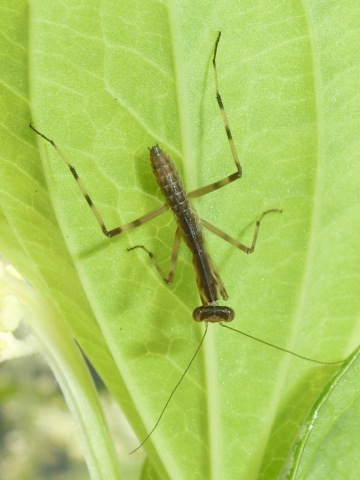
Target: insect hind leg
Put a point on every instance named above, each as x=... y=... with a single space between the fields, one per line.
x=114 y=231
x=222 y=110
x=234 y=176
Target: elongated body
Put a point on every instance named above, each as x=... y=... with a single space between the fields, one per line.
x=208 y=280
x=189 y=229
x=189 y=224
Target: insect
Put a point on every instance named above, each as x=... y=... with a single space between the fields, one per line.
x=189 y=229
x=189 y=225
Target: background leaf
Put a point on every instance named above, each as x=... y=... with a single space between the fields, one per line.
x=31 y=239
x=109 y=79
x=328 y=446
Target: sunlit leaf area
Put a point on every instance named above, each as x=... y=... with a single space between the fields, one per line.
x=90 y=333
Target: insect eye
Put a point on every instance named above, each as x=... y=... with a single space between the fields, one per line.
x=213 y=314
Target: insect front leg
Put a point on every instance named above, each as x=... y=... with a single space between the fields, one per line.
x=174 y=256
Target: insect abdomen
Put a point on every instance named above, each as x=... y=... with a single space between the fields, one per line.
x=169 y=181
x=173 y=190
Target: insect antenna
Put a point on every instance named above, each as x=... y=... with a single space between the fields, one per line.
x=173 y=391
x=281 y=348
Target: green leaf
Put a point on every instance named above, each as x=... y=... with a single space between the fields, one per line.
x=327 y=446
x=31 y=239
x=109 y=79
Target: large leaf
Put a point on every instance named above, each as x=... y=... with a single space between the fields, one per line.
x=109 y=79
x=328 y=442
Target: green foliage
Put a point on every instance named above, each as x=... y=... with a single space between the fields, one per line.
x=108 y=79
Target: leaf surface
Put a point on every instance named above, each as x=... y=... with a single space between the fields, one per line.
x=109 y=79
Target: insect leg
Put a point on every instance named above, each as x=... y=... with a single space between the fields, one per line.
x=232 y=240
x=174 y=255
x=231 y=178
x=115 y=231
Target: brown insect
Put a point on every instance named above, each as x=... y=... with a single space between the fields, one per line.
x=190 y=230
x=189 y=225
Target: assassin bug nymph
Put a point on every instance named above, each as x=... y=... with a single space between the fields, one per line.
x=189 y=229
x=189 y=224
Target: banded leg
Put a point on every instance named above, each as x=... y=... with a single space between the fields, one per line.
x=232 y=240
x=115 y=231
x=234 y=176
x=174 y=255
